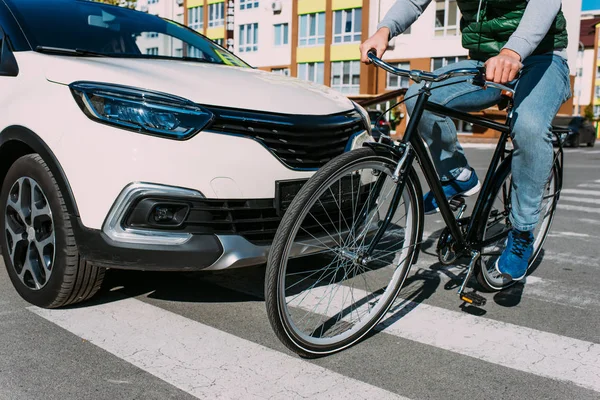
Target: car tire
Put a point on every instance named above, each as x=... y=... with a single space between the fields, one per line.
x=37 y=240
x=592 y=143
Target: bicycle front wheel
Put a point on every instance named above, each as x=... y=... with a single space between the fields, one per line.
x=322 y=293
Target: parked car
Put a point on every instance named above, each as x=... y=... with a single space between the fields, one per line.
x=379 y=124
x=129 y=141
x=580 y=131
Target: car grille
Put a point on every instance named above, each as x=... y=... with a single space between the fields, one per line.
x=257 y=220
x=299 y=142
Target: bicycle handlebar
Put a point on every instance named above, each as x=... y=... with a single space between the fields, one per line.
x=419 y=75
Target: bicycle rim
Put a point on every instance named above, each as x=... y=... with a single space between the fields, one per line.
x=330 y=300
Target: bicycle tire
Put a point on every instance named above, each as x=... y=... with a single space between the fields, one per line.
x=276 y=264
x=487 y=280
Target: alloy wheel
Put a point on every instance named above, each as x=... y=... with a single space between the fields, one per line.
x=30 y=235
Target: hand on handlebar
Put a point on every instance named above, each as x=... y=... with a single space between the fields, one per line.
x=378 y=42
x=503 y=68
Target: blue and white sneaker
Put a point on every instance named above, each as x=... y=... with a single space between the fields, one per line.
x=451 y=190
x=514 y=260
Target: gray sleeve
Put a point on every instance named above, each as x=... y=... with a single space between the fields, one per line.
x=537 y=20
x=402 y=14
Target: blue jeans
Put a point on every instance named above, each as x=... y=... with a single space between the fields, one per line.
x=543 y=87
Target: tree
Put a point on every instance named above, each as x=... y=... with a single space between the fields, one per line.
x=121 y=3
x=589 y=112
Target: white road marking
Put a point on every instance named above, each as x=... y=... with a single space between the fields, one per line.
x=589 y=185
x=529 y=350
x=597 y=181
x=583 y=192
x=589 y=221
x=577 y=208
x=569 y=234
x=580 y=199
x=201 y=360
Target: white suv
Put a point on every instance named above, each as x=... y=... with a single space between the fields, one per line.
x=114 y=155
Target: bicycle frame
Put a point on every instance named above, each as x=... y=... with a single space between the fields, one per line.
x=412 y=146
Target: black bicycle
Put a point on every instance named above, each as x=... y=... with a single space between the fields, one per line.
x=348 y=239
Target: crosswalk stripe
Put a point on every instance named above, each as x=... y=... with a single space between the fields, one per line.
x=580 y=200
x=201 y=360
x=521 y=348
x=568 y=207
x=583 y=192
x=589 y=185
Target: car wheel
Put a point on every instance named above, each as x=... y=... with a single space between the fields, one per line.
x=592 y=143
x=37 y=241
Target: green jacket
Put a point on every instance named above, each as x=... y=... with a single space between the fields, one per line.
x=498 y=20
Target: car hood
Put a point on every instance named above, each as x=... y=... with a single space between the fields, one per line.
x=202 y=83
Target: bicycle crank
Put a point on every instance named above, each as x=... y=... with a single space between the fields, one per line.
x=471 y=297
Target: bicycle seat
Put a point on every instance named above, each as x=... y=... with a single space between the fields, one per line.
x=505 y=99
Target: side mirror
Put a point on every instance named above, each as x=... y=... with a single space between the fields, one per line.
x=8 y=63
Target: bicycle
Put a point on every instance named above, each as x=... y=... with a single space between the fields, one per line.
x=344 y=221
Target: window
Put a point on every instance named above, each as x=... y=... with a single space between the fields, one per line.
x=314 y=72
x=598 y=91
x=215 y=14
x=151 y=35
x=596 y=111
x=395 y=81
x=152 y=1
x=248 y=37
x=345 y=76
x=196 y=18
x=281 y=71
x=281 y=34
x=437 y=63
x=446 y=18
x=347 y=26
x=218 y=41
x=312 y=29
x=248 y=4
x=153 y=51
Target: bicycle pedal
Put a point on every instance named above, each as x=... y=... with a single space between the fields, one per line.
x=473 y=298
x=456 y=203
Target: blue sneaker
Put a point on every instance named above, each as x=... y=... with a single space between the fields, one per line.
x=451 y=190
x=514 y=260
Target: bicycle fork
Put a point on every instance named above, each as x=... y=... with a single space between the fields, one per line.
x=399 y=178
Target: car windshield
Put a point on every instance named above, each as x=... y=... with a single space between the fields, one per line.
x=112 y=31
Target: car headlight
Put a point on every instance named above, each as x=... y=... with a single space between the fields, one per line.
x=365 y=116
x=141 y=111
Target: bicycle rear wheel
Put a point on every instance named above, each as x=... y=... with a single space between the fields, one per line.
x=497 y=225
x=320 y=297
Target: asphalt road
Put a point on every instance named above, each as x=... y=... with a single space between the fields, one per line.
x=186 y=336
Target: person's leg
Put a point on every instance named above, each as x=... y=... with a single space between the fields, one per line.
x=543 y=87
x=440 y=132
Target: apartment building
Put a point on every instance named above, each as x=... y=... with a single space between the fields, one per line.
x=318 y=40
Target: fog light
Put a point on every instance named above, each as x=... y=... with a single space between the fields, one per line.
x=163 y=214
x=169 y=214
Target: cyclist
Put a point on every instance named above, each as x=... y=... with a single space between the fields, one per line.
x=507 y=37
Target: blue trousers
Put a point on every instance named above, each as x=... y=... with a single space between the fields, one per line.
x=541 y=89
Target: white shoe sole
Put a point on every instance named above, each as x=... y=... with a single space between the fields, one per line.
x=468 y=193
x=507 y=276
